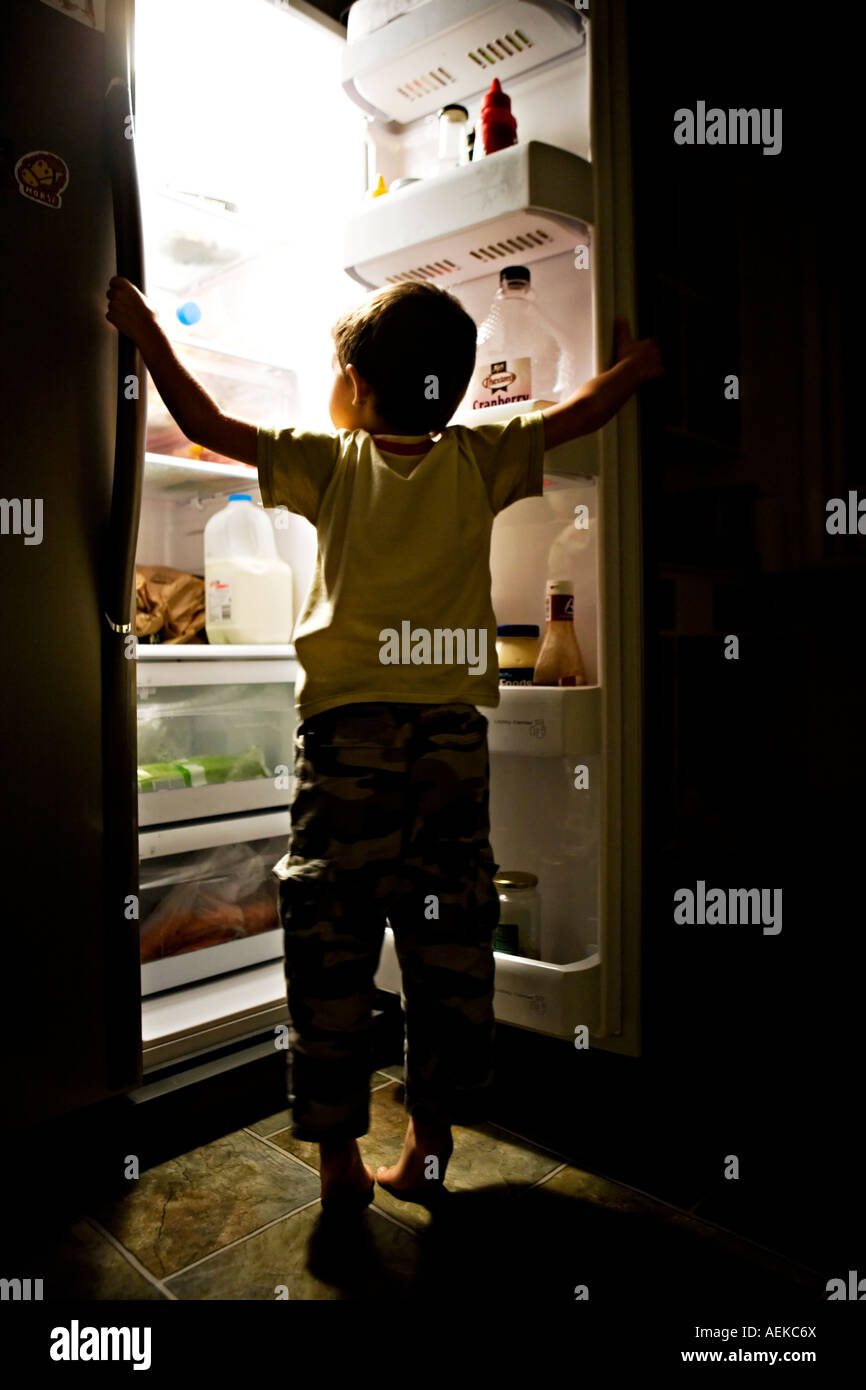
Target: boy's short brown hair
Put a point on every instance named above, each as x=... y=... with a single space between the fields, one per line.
x=414 y=344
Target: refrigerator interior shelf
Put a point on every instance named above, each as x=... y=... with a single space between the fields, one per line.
x=181 y=839
x=191 y=966
x=177 y=665
x=450 y=50
x=538 y=721
x=219 y=799
x=524 y=203
x=175 y=478
x=217 y=651
x=187 y=1022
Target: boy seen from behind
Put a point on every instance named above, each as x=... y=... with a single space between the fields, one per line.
x=396 y=645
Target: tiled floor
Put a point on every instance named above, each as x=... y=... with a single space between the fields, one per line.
x=239 y=1218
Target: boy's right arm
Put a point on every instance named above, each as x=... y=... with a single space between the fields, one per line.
x=197 y=413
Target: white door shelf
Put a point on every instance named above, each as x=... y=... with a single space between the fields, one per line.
x=530 y=994
x=450 y=50
x=521 y=204
x=546 y=721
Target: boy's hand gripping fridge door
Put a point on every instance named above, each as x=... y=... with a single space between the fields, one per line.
x=73 y=430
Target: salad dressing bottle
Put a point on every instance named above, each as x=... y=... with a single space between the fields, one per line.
x=559 y=661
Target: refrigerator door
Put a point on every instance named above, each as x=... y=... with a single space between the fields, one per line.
x=566 y=781
x=68 y=698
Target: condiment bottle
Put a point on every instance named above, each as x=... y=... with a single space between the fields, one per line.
x=496 y=123
x=559 y=661
x=517 y=648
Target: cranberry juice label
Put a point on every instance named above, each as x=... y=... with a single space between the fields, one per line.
x=502 y=382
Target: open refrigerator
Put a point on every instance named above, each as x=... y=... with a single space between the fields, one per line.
x=242 y=205
x=565 y=763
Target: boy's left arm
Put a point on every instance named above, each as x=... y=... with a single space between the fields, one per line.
x=598 y=400
x=197 y=413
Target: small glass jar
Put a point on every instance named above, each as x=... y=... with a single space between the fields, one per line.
x=519 y=930
x=453 y=126
x=517 y=647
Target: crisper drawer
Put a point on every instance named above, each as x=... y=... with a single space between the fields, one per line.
x=208 y=900
x=214 y=736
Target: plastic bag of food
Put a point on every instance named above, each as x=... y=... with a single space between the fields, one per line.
x=206 y=768
x=222 y=896
x=169 y=605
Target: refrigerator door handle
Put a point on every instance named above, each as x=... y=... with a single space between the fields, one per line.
x=121 y=891
x=131 y=387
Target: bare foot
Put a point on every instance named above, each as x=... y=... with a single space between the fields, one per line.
x=411 y=1170
x=343 y=1171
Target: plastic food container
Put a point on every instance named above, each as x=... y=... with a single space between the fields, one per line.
x=517 y=647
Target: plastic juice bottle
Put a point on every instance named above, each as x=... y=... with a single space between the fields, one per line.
x=248 y=588
x=518 y=356
x=559 y=661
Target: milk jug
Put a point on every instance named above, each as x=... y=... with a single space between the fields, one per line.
x=248 y=588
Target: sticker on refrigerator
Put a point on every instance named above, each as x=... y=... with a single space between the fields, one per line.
x=502 y=383
x=42 y=176
x=219 y=601
x=89 y=12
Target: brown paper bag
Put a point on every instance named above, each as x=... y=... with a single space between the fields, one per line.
x=169 y=602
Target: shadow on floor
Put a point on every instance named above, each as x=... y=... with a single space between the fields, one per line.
x=238 y=1218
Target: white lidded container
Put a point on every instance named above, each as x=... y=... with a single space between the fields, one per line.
x=248 y=588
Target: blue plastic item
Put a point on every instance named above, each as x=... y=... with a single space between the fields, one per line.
x=189 y=312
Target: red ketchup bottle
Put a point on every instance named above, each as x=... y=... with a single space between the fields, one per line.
x=498 y=126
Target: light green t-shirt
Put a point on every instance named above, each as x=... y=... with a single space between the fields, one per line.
x=400 y=608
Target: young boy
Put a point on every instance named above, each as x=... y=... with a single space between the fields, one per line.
x=396 y=646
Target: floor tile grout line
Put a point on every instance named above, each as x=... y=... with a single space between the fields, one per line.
x=395 y=1220
x=547 y=1177
x=131 y=1258
x=284 y=1153
x=543 y=1148
x=241 y=1240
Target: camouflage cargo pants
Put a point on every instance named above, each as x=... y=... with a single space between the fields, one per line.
x=390 y=819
